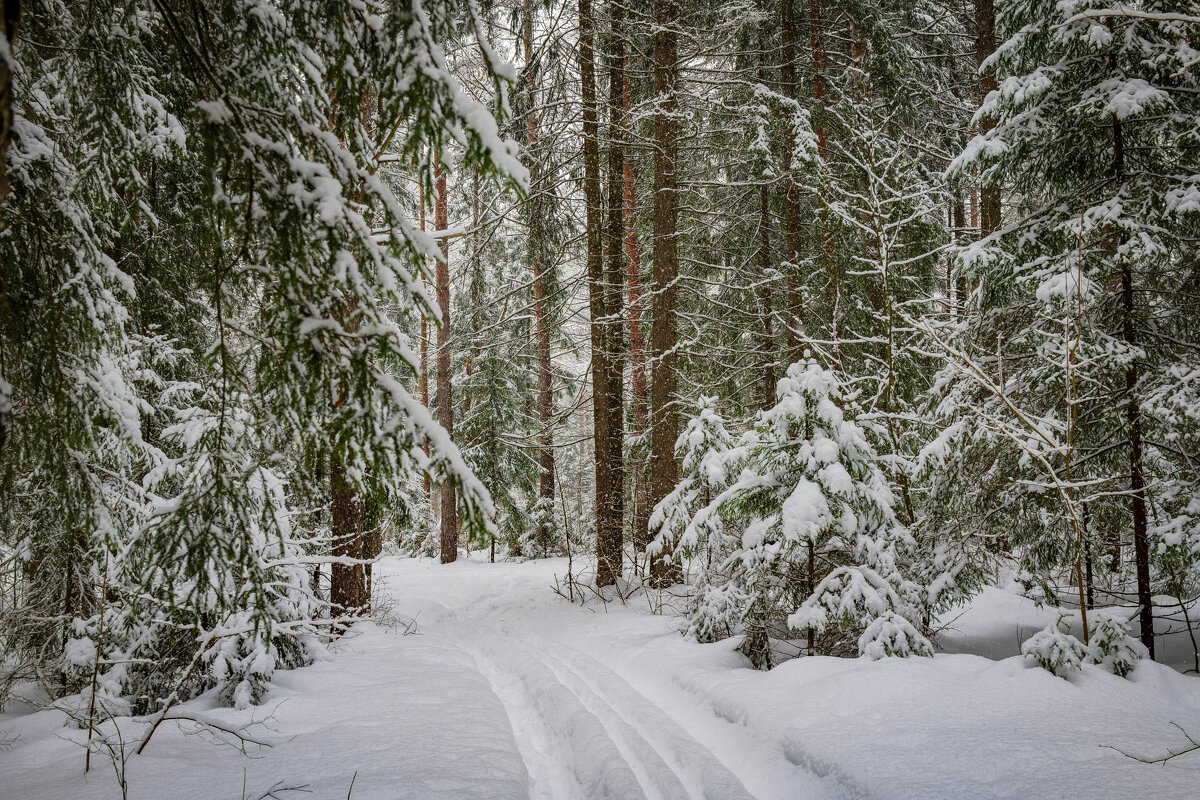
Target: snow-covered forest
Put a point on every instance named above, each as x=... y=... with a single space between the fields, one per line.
x=599 y=399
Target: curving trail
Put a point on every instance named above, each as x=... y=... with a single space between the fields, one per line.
x=595 y=711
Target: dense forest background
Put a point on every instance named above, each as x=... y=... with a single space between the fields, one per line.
x=826 y=315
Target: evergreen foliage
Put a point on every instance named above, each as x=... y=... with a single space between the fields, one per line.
x=208 y=288
x=1054 y=650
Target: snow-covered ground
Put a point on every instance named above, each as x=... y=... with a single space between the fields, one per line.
x=507 y=690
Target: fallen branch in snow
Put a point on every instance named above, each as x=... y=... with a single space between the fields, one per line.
x=209 y=724
x=275 y=791
x=1194 y=747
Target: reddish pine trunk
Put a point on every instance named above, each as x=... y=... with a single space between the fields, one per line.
x=449 y=543
x=663 y=333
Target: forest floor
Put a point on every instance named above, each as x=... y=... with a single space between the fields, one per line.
x=503 y=689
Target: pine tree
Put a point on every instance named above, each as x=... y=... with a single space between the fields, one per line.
x=1088 y=86
x=218 y=279
x=820 y=548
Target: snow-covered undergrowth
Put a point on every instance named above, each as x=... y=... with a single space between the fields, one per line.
x=507 y=690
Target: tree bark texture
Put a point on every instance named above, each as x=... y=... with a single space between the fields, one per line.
x=985 y=45
x=766 y=334
x=608 y=485
x=615 y=271
x=614 y=284
x=1133 y=418
x=12 y=18
x=347 y=582
x=424 y=379
x=537 y=257
x=637 y=344
x=445 y=353
x=664 y=471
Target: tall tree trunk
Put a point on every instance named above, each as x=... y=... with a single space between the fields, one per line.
x=347 y=582
x=985 y=45
x=789 y=87
x=12 y=18
x=424 y=379
x=637 y=344
x=664 y=471
x=614 y=283
x=766 y=336
x=816 y=27
x=449 y=543
x=537 y=252
x=1137 y=481
x=608 y=484
x=960 y=234
x=1133 y=417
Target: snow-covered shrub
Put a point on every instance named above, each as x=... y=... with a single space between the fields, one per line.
x=713 y=612
x=242 y=668
x=890 y=634
x=704 y=446
x=1111 y=647
x=419 y=536
x=807 y=515
x=858 y=598
x=1054 y=650
x=702 y=449
x=540 y=539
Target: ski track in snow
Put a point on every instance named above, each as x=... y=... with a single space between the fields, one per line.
x=586 y=732
x=509 y=692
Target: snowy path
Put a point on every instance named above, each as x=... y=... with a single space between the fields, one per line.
x=583 y=729
x=508 y=692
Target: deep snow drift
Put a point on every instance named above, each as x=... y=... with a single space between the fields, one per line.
x=506 y=690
